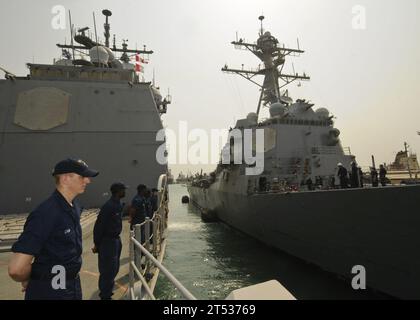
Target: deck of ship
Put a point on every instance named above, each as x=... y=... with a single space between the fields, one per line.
x=10 y=290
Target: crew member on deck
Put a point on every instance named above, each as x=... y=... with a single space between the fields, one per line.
x=382 y=175
x=374 y=177
x=48 y=254
x=342 y=175
x=106 y=237
x=354 y=181
x=360 y=176
x=137 y=212
x=138 y=207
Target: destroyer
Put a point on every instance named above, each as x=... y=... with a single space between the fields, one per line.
x=89 y=104
x=296 y=205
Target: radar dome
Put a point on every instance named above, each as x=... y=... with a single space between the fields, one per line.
x=322 y=113
x=252 y=118
x=277 y=110
x=111 y=56
x=99 y=54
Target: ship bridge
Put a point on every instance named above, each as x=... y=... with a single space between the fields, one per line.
x=81 y=73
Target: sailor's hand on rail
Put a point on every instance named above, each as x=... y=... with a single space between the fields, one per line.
x=94 y=249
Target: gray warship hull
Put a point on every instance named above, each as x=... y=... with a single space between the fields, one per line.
x=335 y=230
x=90 y=104
x=111 y=125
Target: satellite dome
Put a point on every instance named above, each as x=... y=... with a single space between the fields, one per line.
x=111 y=56
x=252 y=118
x=277 y=110
x=99 y=54
x=335 y=132
x=323 y=113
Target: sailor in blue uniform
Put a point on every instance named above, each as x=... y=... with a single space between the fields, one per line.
x=48 y=254
x=154 y=199
x=106 y=237
x=342 y=175
x=138 y=210
x=137 y=213
x=148 y=203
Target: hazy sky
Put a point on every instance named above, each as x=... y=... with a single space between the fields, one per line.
x=369 y=78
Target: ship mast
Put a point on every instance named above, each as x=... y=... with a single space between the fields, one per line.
x=269 y=51
x=87 y=43
x=107 y=27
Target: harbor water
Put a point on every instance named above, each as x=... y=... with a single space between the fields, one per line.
x=212 y=259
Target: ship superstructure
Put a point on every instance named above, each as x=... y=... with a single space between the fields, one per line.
x=296 y=204
x=89 y=104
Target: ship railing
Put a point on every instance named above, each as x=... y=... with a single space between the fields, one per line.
x=146 y=244
x=135 y=248
x=347 y=151
x=321 y=150
x=330 y=150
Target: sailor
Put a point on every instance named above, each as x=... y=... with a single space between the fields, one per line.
x=360 y=176
x=137 y=211
x=309 y=184
x=342 y=175
x=137 y=214
x=107 y=242
x=374 y=176
x=332 y=182
x=319 y=183
x=382 y=175
x=48 y=254
x=148 y=203
x=354 y=177
x=154 y=199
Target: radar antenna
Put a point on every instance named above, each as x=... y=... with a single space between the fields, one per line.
x=261 y=18
x=107 y=27
x=273 y=55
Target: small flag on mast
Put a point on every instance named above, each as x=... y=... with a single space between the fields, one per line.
x=139 y=60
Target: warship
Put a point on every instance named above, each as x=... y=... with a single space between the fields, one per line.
x=296 y=204
x=405 y=169
x=91 y=104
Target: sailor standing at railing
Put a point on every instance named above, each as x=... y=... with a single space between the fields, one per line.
x=342 y=175
x=48 y=254
x=106 y=237
x=154 y=199
x=382 y=175
x=137 y=211
x=151 y=207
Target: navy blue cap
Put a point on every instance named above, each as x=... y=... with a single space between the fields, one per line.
x=74 y=166
x=117 y=186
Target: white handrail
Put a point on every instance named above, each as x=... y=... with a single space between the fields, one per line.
x=143 y=281
x=159 y=225
x=165 y=271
